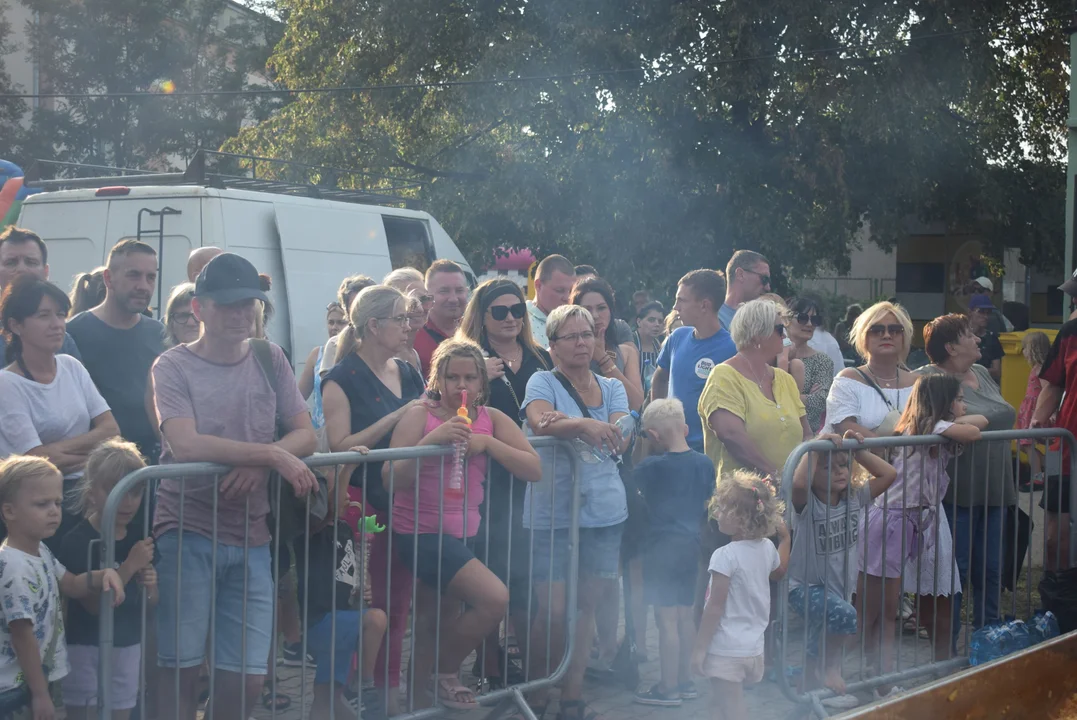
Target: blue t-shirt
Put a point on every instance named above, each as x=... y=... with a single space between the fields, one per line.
x=689 y=362
x=68 y=348
x=676 y=486
x=603 y=501
x=725 y=316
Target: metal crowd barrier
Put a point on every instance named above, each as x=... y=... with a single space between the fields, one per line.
x=507 y=698
x=917 y=658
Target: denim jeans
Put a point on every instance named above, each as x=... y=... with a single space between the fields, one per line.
x=985 y=554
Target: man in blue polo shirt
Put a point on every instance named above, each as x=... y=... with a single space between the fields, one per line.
x=692 y=351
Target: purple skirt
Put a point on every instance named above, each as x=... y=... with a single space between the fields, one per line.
x=898 y=531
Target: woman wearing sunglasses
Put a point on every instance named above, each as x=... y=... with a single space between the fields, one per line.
x=804 y=318
x=870 y=399
x=412 y=283
x=496 y=319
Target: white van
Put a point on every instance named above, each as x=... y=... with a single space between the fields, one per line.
x=306 y=245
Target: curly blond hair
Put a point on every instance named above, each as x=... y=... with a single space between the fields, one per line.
x=751 y=501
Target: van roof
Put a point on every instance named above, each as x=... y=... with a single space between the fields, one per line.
x=197 y=191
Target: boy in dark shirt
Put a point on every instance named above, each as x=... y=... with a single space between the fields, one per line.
x=676 y=486
x=327 y=566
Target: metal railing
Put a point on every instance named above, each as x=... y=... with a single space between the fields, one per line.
x=922 y=536
x=344 y=468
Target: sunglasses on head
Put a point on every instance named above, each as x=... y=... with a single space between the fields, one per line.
x=892 y=330
x=805 y=318
x=500 y=312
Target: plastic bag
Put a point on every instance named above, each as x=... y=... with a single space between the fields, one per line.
x=995 y=641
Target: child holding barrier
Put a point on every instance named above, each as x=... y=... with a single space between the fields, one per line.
x=906 y=531
x=676 y=486
x=434 y=524
x=729 y=643
x=328 y=564
x=81 y=550
x=827 y=507
x=33 y=651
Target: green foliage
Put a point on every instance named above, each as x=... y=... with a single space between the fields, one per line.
x=119 y=46
x=11 y=111
x=738 y=125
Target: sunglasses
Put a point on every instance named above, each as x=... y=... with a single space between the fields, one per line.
x=805 y=318
x=500 y=312
x=426 y=299
x=764 y=279
x=892 y=330
x=780 y=329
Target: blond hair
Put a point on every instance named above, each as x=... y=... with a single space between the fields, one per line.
x=372 y=303
x=107 y=464
x=750 y=500
x=402 y=277
x=858 y=333
x=755 y=321
x=439 y=364
x=1035 y=346
x=17 y=470
x=663 y=414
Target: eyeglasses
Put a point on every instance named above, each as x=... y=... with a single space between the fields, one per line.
x=500 y=312
x=764 y=279
x=805 y=318
x=892 y=330
x=420 y=315
x=401 y=320
x=575 y=337
x=183 y=317
x=780 y=330
x=426 y=299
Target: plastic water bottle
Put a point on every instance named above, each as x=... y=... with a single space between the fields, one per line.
x=455 y=488
x=626 y=424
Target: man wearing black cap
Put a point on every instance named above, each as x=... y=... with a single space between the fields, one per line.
x=217 y=403
x=981 y=310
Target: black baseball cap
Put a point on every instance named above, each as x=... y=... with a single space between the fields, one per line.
x=227 y=279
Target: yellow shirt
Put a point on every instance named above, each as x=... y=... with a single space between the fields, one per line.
x=774 y=425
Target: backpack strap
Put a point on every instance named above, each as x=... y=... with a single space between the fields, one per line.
x=263 y=353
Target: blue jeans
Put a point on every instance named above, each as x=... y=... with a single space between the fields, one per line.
x=985 y=554
x=840 y=616
x=243 y=623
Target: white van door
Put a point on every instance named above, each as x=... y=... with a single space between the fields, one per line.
x=74 y=234
x=319 y=248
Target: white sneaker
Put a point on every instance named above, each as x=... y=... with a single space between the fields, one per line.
x=894 y=692
x=841 y=702
x=907 y=608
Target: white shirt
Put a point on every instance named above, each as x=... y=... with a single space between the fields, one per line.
x=30 y=590
x=748 y=565
x=824 y=342
x=329 y=355
x=36 y=414
x=849 y=399
x=538 y=324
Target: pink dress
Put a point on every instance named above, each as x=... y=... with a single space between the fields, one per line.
x=1028 y=405
x=435 y=509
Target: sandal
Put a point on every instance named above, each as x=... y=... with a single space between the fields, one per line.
x=271 y=698
x=447 y=690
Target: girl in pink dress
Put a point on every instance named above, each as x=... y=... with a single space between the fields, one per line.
x=1034 y=347
x=433 y=526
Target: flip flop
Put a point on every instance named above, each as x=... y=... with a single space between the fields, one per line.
x=446 y=688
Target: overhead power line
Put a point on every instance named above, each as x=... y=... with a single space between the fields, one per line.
x=511 y=80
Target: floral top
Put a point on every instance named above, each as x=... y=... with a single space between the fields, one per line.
x=30 y=590
x=818 y=370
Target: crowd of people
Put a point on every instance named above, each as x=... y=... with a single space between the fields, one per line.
x=687 y=505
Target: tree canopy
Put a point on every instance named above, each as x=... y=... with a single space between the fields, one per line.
x=131 y=46
x=779 y=125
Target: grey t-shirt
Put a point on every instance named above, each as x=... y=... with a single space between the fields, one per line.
x=119 y=361
x=983 y=474
x=234 y=402
x=825 y=541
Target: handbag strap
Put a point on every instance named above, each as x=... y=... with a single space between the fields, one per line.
x=264 y=355
x=878 y=389
x=573 y=392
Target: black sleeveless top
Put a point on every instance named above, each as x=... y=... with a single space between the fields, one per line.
x=370 y=401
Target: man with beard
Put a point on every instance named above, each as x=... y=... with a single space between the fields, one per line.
x=119 y=344
x=445 y=280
